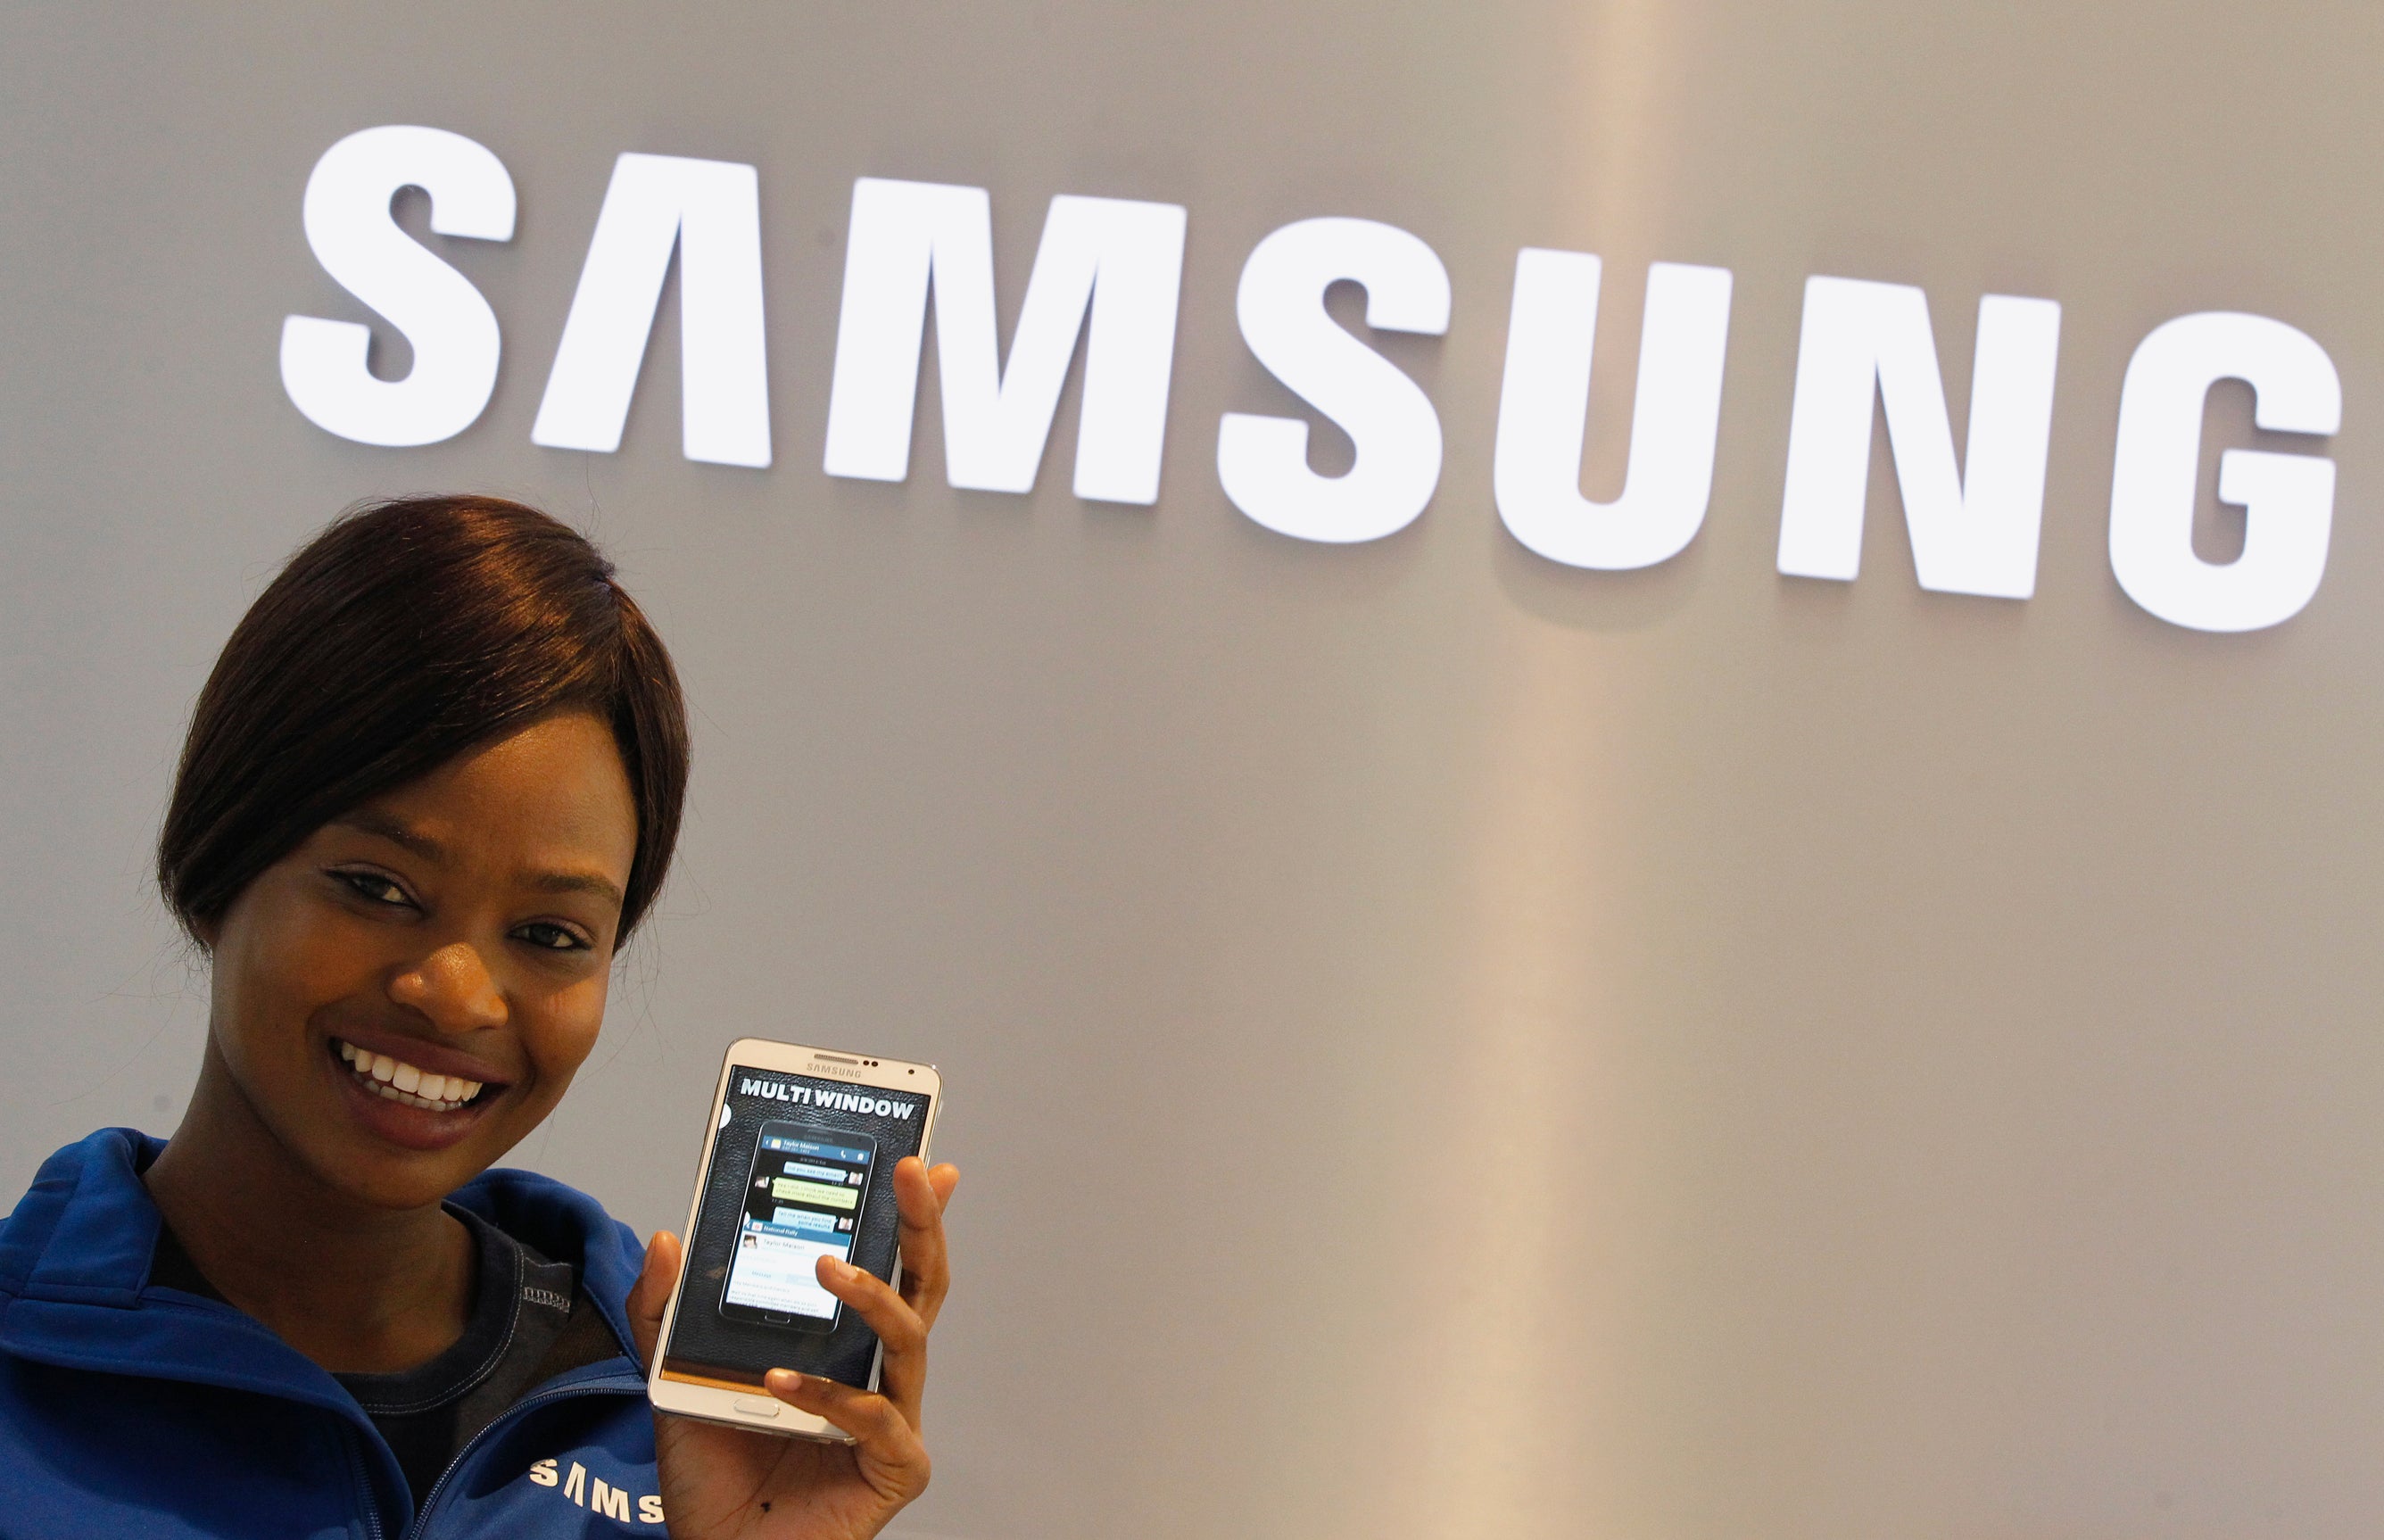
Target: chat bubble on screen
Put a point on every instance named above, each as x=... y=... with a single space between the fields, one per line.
x=808 y=1223
x=787 y=1190
x=818 y=1173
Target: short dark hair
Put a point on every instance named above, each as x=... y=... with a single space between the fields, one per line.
x=406 y=633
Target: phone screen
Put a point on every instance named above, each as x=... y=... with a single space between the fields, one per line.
x=808 y=1187
x=801 y=1169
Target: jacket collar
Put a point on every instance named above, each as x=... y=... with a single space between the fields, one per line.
x=74 y=1272
x=85 y=1231
x=564 y=1225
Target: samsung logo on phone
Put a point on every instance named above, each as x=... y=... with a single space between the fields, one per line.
x=841 y=1101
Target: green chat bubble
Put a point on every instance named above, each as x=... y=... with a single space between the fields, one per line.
x=787 y=1189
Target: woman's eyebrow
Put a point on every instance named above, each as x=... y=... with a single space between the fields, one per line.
x=397 y=831
x=578 y=882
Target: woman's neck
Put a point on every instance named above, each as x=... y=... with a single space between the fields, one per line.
x=355 y=1288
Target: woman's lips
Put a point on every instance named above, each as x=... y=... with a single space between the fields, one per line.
x=402 y=1081
x=407 y=1118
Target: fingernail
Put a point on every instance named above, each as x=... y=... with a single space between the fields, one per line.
x=844 y=1273
x=793 y=1382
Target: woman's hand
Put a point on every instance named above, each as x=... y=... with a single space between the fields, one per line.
x=725 y=1483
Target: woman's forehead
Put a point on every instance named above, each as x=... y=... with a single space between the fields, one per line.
x=556 y=787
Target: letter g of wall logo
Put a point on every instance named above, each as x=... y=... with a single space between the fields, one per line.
x=598 y=1495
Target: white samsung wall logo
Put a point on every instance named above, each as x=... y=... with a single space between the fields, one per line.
x=1109 y=272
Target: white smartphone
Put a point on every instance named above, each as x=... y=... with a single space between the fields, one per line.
x=799 y=1155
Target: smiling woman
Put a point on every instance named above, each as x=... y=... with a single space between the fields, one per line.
x=431 y=785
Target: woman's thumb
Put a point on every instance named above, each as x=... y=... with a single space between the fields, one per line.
x=652 y=1293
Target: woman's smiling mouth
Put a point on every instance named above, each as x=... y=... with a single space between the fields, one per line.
x=407 y=1083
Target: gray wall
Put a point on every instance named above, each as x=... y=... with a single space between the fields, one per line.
x=1912 y=1054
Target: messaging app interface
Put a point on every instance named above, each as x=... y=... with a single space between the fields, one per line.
x=802 y=1201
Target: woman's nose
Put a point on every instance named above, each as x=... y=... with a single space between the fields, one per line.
x=453 y=989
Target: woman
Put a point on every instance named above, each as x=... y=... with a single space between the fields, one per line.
x=431 y=785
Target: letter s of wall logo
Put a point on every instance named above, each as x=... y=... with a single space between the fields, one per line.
x=450 y=326
x=1109 y=272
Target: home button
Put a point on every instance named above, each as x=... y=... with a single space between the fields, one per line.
x=754 y=1405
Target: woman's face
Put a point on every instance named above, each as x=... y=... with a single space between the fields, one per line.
x=457 y=933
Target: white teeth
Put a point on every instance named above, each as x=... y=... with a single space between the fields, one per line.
x=399 y=1080
x=393 y=1094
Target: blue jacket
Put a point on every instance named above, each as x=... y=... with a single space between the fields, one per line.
x=152 y=1414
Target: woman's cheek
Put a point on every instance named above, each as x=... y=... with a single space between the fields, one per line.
x=567 y=1032
x=283 y=965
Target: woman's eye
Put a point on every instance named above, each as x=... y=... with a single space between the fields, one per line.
x=373 y=885
x=551 y=936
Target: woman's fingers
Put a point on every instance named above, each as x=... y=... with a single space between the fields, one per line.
x=902 y=1372
x=867 y=1416
x=651 y=1294
x=892 y=1458
x=920 y=1196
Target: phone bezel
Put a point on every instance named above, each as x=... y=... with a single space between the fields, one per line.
x=719 y=1404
